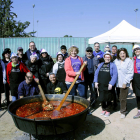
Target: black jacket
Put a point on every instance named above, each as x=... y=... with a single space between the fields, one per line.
x=46 y=66
x=23 y=59
x=51 y=87
x=33 y=67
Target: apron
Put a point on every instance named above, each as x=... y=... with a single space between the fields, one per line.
x=136 y=84
x=15 y=80
x=61 y=74
x=103 y=80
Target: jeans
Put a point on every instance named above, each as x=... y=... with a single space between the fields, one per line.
x=14 y=98
x=91 y=86
x=80 y=87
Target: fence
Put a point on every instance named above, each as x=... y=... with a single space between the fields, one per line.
x=52 y=44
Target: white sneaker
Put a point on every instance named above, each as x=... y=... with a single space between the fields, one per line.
x=119 y=112
x=122 y=116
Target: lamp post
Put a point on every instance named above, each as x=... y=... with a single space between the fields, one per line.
x=37 y=27
x=136 y=15
x=33 y=18
x=109 y=24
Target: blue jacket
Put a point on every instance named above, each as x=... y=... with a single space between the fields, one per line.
x=28 y=53
x=113 y=73
x=98 y=53
x=28 y=90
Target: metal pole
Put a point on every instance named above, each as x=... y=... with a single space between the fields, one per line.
x=33 y=18
x=37 y=27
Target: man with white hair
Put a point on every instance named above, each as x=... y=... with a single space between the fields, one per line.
x=54 y=86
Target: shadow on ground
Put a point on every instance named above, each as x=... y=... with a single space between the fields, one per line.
x=92 y=126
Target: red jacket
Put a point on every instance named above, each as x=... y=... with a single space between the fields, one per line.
x=135 y=69
x=22 y=68
x=70 y=74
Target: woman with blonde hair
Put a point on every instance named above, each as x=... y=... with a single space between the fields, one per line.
x=72 y=66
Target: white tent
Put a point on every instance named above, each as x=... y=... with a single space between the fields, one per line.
x=122 y=33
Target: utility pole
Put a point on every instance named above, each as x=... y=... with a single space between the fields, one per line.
x=136 y=15
x=33 y=18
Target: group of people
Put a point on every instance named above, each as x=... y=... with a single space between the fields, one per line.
x=105 y=74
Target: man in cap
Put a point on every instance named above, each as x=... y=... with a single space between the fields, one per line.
x=32 y=49
x=54 y=86
x=15 y=73
x=92 y=63
x=21 y=57
x=97 y=53
x=28 y=87
x=64 y=51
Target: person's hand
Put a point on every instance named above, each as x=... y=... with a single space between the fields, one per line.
x=98 y=56
x=36 y=80
x=47 y=74
x=109 y=86
x=85 y=62
x=124 y=86
x=96 y=85
x=78 y=73
x=4 y=81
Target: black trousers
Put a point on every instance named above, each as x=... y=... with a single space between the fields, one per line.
x=106 y=106
x=138 y=102
x=7 y=92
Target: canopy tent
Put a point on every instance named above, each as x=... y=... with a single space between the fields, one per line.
x=122 y=33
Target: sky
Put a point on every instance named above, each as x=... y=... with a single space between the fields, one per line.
x=79 y=18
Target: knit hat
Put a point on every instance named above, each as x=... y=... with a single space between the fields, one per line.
x=43 y=51
x=13 y=55
x=107 y=53
x=89 y=49
x=6 y=50
x=34 y=55
x=63 y=47
x=135 y=46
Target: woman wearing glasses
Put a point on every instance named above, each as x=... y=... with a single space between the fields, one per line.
x=136 y=78
x=125 y=75
x=105 y=78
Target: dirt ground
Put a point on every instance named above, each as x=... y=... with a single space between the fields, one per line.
x=95 y=127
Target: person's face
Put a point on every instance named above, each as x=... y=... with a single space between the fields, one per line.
x=137 y=51
x=33 y=59
x=7 y=55
x=29 y=78
x=107 y=58
x=89 y=53
x=96 y=47
x=114 y=50
x=60 y=58
x=73 y=52
x=14 y=59
x=122 y=55
x=32 y=46
x=20 y=51
x=52 y=78
x=63 y=51
x=44 y=55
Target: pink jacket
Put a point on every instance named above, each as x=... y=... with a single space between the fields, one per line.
x=70 y=74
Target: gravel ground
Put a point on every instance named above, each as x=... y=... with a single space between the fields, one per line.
x=95 y=127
